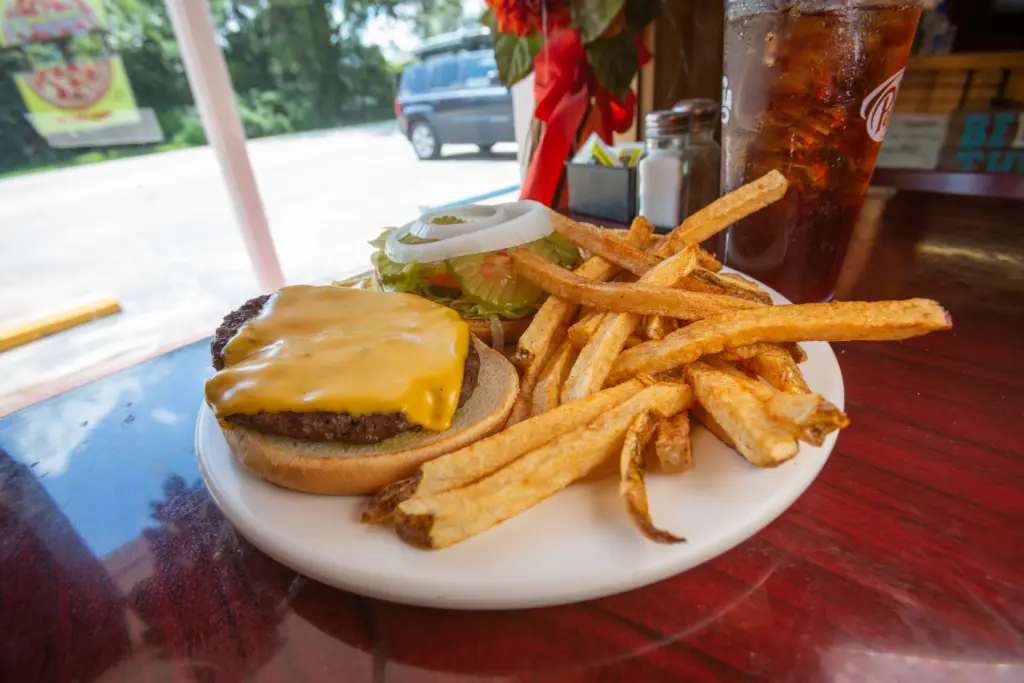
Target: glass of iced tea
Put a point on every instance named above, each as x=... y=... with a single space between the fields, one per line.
x=808 y=90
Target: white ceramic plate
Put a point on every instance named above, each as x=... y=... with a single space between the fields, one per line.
x=577 y=545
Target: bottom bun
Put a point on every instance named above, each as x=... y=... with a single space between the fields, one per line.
x=513 y=329
x=336 y=468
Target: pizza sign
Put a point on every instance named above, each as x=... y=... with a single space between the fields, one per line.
x=71 y=86
x=82 y=96
x=31 y=21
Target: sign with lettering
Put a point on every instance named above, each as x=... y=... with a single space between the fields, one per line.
x=914 y=141
x=962 y=142
x=985 y=142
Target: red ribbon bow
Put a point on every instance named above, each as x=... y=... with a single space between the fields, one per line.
x=563 y=87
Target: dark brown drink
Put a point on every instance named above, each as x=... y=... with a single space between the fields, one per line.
x=808 y=91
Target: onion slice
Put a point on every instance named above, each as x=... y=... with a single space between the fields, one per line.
x=476 y=217
x=497 y=333
x=527 y=221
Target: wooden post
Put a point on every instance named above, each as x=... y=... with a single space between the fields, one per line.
x=211 y=87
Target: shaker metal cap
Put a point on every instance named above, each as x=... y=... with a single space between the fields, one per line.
x=698 y=109
x=684 y=117
x=666 y=123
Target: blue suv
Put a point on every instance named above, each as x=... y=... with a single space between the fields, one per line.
x=454 y=96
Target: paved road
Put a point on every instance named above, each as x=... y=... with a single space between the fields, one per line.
x=158 y=233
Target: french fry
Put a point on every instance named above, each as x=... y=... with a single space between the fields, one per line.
x=555 y=313
x=549 y=321
x=806 y=416
x=527 y=384
x=604 y=243
x=720 y=214
x=595 y=360
x=640 y=231
x=777 y=367
x=725 y=211
x=482 y=458
x=748 y=351
x=440 y=520
x=703 y=280
x=549 y=386
x=705 y=259
x=641 y=224
x=624 y=297
x=759 y=389
x=632 y=489
x=659 y=327
x=837 y=321
x=583 y=329
x=632 y=340
x=704 y=417
x=741 y=281
x=743 y=352
x=708 y=261
x=741 y=415
x=795 y=350
x=811 y=416
x=672 y=447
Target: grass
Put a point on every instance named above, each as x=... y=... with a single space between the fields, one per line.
x=95 y=158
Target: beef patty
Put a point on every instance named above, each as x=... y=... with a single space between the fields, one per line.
x=320 y=425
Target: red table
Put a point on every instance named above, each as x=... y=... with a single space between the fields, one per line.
x=904 y=561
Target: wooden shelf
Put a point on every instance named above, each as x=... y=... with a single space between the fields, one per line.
x=967 y=60
x=1002 y=185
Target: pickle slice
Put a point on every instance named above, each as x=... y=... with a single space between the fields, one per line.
x=490 y=277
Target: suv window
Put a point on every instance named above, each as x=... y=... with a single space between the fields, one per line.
x=479 y=70
x=414 y=80
x=443 y=73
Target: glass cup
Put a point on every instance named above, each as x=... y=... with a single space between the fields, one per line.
x=808 y=90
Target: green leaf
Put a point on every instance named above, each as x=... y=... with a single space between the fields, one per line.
x=592 y=17
x=614 y=63
x=488 y=20
x=514 y=54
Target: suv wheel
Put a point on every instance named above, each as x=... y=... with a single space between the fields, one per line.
x=424 y=140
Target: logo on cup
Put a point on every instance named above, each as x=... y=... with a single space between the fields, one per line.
x=877 y=107
x=726 y=100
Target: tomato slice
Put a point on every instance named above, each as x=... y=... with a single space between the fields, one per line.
x=444 y=280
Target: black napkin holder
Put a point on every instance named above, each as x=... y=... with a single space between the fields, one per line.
x=607 y=192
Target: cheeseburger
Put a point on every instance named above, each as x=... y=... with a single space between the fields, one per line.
x=341 y=391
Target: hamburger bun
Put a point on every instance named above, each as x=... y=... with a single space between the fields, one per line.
x=336 y=468
x=481 y=329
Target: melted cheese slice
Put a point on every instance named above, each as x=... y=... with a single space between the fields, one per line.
x=345 y=350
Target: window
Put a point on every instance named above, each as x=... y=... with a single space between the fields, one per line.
x=479 y=70
x=443 y=73
x=414 y=80
x=110 y=194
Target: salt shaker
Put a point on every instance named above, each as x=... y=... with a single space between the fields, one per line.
x=679 y=172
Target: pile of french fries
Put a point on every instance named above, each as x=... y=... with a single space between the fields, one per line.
x=643 y=336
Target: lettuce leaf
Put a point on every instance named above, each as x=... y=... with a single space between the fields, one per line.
x=408 y=277
x=566 y=253
x=414 y=278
